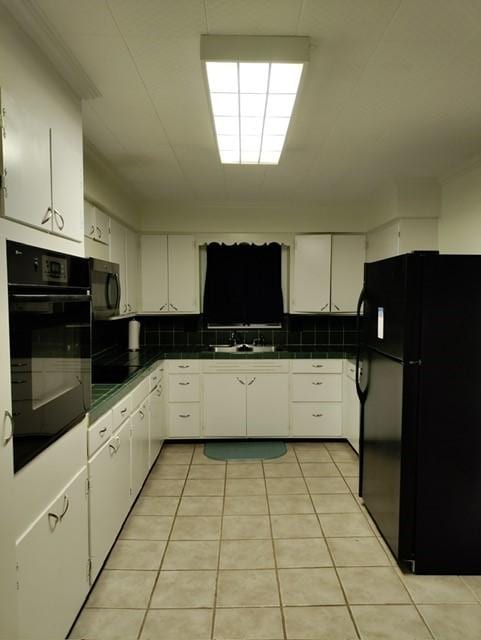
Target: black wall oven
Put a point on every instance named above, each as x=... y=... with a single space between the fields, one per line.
x=50 y=346
x=105 y=284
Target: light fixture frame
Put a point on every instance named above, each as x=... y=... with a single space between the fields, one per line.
x=262 y=49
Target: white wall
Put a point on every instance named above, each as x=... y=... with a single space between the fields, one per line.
x=269 y=219
x=105 y=189
x=460 y=221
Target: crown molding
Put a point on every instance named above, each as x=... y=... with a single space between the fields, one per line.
x=37 y=26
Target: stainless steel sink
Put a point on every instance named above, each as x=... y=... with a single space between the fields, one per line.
x=242 y=348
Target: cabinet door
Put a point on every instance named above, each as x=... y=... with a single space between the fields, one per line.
x=52 y=565
x=347 y=268
x=132 y=258
x=267 y=404
x=89 y=220
x=224 y=405
x=139 y=443
x=117 y=255
x=154 y=274
x=25 y=154
x=157 y=423
x=67 y=186
x=311 y=279
x=183 y=275
x=109 y=497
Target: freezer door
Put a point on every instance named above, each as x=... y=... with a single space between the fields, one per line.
x=392 y=294
x=381 y=446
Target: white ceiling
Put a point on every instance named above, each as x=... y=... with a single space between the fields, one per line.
x=392 y=90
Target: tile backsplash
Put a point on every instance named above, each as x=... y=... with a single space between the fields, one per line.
x=297 y=330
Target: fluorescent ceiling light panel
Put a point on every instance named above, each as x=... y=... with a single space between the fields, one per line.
x=253 y=83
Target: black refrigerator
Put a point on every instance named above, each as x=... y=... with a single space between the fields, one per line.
x=420 y=391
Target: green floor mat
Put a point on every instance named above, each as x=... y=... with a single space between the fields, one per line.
x=244 y=449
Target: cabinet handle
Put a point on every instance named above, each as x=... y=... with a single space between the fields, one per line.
x=7 y=436
x=325 y=306
x=123 y=411
x=59 y=216
x=317 y=415
x=184 y=415
x=184 y=366
x=47 y=216
x=184 y=384
x=52 y=520
x=66 y=505
x=130 y=308
x=240 y=380
x=249 y=383
x=316 y=384
x=162 y=307
x=337 y=308
x=102 y=431
x=112 y=445
x=173 y=306
x=317 y=366
x=99 y=232
x=141 y=414
x=159 y=391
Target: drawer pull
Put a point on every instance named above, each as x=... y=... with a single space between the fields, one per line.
x=184 y=384
x=317 y=366
x=142 y=415
x=66 y=505
x=317 y=415
x=250 y=382
x=102 y=431
x=316 y=384
x=184 y=415
x=123 y=411
x=184 y=366
x=240 y=380
x=53 y=520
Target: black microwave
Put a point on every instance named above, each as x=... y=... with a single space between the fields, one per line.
x=105 y=289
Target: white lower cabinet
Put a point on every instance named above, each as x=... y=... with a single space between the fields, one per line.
x=110 y=500
x=224 y=405
x=351 y=410
x=267 y=404
x=139 y=446
x=316 y=419
x=156 y=422
x=184 y=420
x=52 y=558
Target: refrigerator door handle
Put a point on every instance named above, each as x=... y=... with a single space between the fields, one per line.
x=360 y=392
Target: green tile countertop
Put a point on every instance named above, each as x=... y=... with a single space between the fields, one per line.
x=105 y=395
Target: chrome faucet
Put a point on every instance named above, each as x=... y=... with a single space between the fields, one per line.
x=234 y=339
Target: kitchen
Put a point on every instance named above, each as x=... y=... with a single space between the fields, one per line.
x=109 y=152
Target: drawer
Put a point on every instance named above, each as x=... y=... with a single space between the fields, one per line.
x=121 y=411
x=316 y=419
x=156 y=377
x=323 y=365
x=99 y=432
x=184 y=388
x=184 y=420
x=316 y=388
x=274 y=365
x=183 y=366
x=140 y=392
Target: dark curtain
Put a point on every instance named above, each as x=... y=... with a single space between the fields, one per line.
x=243 y=283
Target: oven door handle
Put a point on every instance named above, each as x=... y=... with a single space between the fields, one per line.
x=50 y=297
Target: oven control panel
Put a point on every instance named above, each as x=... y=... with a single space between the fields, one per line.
x=54 y=269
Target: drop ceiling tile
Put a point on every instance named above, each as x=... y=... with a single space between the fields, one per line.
x=253 y=17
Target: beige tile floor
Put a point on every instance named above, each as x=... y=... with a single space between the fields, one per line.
x=272 y=550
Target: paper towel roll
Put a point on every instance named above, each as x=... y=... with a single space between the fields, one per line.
x=134 y=334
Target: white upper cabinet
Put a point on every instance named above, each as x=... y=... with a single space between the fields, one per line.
x=310 y=287
x=402 y=236
x=154 y=274
x=169 y=274
x=26 y=193
x=183 y=278
x=67 y=187
x=327 y=273
x=347 y=267
x=42 y=173
x=96 y=224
